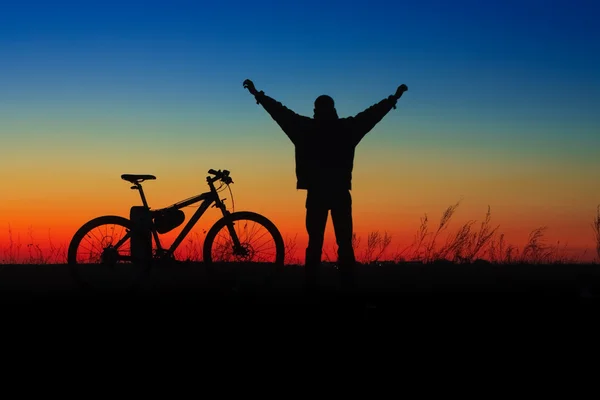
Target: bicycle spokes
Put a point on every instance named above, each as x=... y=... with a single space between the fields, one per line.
x=256 y=244
x=99 y=255
x=105 y=244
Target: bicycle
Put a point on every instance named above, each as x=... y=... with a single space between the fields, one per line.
x=144 y=226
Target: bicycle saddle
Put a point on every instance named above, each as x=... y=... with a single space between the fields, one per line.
x=133 y=178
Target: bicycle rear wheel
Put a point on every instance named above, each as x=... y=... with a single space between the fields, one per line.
x=99 y=256
x=260 y=255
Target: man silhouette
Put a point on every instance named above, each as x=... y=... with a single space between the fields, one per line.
x=324 y=155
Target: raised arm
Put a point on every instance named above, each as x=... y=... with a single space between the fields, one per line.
x=289 y=121
x=366 y=120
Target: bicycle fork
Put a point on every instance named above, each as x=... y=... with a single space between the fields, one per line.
x=238 y=249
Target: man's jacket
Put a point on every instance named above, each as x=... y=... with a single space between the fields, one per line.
x=324 y=147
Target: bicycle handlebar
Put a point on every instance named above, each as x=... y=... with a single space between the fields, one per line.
x=222 y=175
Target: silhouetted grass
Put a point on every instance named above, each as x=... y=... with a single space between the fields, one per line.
x=596 y=228
x=13 y=252
x=470 y=243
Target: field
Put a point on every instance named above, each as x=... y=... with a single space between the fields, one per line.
x=472 y=272
x=420 y=303
x=381 y=284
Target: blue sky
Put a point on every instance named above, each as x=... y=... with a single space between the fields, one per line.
x=515 y=75
x=479 y=74
x=463 y=59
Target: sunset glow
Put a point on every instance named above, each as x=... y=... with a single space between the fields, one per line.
x=502 y=111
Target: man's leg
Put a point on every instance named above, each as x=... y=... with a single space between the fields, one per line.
x=341 y=215
x=316 y=220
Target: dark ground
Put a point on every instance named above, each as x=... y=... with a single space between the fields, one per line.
x=386 y=288
x=404 y=314
x=426 y=303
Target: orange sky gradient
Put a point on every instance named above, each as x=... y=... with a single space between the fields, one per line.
x=389 y=194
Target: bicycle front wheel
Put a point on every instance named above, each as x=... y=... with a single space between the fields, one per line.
x=260 y=246
x=99 y=255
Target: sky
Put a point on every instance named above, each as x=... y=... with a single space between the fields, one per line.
x=501 y=111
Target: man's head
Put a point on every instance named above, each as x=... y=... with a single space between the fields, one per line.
x=325 y=108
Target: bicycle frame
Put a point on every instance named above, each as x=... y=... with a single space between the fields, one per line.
x=207 y=199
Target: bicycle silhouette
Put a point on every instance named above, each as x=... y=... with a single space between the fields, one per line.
x=131 y=245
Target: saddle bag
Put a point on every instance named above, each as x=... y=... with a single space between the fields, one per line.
x=168 y=219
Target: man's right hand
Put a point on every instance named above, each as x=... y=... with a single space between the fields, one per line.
x=248 y=84
x=401 y=89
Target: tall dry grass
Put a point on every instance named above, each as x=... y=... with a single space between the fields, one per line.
x=596 y=229
x=13 y=253
x=470 y=242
